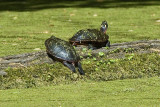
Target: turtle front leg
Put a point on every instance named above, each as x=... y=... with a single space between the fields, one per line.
x=70 y=66
x=80 y=69
x=90 y=46
x=108 y=44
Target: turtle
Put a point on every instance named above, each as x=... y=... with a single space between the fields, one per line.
x=62 y=51
x=93 y=38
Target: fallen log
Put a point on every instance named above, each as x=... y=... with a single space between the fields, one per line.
x=116 y=50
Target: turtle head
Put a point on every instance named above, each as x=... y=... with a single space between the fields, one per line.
x=104 y=26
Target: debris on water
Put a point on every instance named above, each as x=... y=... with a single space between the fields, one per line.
x=14 y=18
x=45 y=32
x=14 y=44
x=158 y=21
x=130 y=30
x=72 y=14
x=153 y=15
x=95 y=15
x=37 y=49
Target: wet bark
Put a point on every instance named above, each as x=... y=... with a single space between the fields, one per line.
x=117 y=50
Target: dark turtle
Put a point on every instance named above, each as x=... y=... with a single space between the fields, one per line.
x=64 y=52
x=93 y=38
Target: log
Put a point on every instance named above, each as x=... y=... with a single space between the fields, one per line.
x=117 y=50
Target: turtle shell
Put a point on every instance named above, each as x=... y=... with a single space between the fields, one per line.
x=89 y=35
x=61 y=49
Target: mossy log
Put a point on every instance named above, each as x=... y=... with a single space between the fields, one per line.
x=117 y=50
